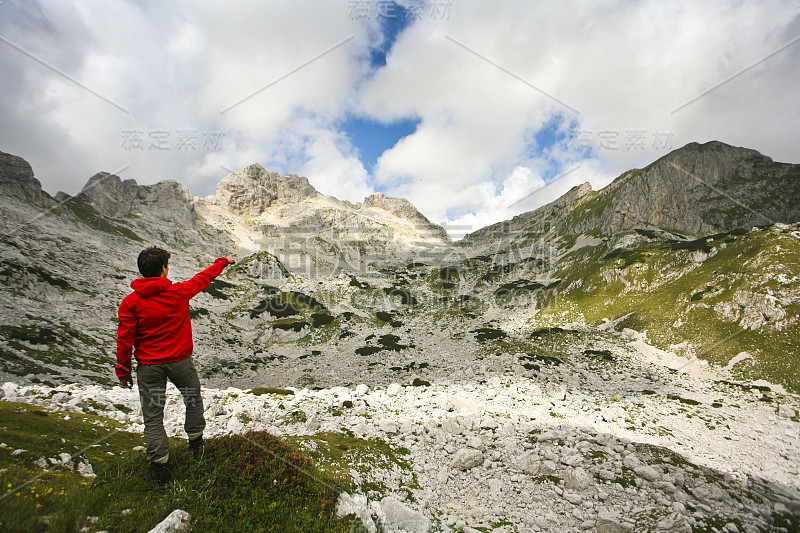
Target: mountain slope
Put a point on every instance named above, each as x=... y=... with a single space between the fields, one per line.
x=377 y=280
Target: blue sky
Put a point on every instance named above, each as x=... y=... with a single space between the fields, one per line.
x=371 y=138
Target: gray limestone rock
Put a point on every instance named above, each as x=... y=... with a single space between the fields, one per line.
x=113 y=197
x=577 y=479
x=467 y=458
x=253 y=189
x=403 y=209
x=399 y=516
x=16 y=177
x=647 y=472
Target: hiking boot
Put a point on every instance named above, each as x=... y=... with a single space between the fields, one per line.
x=196 y=446
x=158 y=473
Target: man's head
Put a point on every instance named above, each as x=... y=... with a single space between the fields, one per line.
x=153 y=261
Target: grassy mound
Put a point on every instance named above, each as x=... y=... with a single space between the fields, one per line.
x=250 y=482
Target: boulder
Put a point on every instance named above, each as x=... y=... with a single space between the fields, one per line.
x=178 y=521
x=577 y=479
x=467 y=458
x=401 y=517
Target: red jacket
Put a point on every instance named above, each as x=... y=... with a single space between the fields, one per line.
x=154 y=319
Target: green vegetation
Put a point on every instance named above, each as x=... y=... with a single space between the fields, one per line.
x=687 y=401
x=12 y=269
x=82 y=210
x=336 y=453
x=258 y=391
x=405 y=297
x=368 y=350
x=489 y=333
x=250 y=482
x=216 y=287
x=294 y=325
x=198 y=312
x=665 y=288
x=520 y=285
x=321 y=319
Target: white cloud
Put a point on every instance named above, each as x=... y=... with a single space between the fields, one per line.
x=499 y=206
x=624 y=66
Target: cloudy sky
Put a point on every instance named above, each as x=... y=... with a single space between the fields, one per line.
x=475 y=111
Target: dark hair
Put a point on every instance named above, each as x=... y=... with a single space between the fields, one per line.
x=151 y=261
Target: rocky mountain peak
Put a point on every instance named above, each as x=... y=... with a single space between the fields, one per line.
x=701 y=189
x=253 y=189
x=404 y=210
x=114 y=197
x=16 y=177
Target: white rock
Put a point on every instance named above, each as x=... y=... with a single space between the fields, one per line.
x=362 y=389
x=312 y=424
x=612 y=414
x=608 y=522
x=467 y=458
x=178 y=521
x=475 y=442
x=631 y=461
x=388 y=426
x=488 y=422
x=398 y=516
x=547 y=467
x=674 y=522
x=19 y=451
x=607 y=475
x=85 y=469
x=529 y=463
x=394 y=389
x=647 y=472
x=577 y=479
x=356 y=504
x=786 y=411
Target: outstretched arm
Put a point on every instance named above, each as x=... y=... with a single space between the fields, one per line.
x=189 y=289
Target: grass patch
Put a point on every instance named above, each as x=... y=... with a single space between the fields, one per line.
x=368 y=350
x=686 y=401
x=296 y=325
x=321 y=319
x=198 y=312
x=336 y=453
x=405 y=297
x=605 y=355
x=521 y=285
x=484 y=334
x=390 y=342
x=89 y=216
x=215 y=288
x=258 y=391
x=11 y=268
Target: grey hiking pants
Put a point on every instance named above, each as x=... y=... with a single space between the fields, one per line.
x=152 y=380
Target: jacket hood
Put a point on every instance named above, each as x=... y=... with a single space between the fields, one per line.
x=150 y=286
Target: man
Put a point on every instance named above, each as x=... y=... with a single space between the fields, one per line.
x=154 y=320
